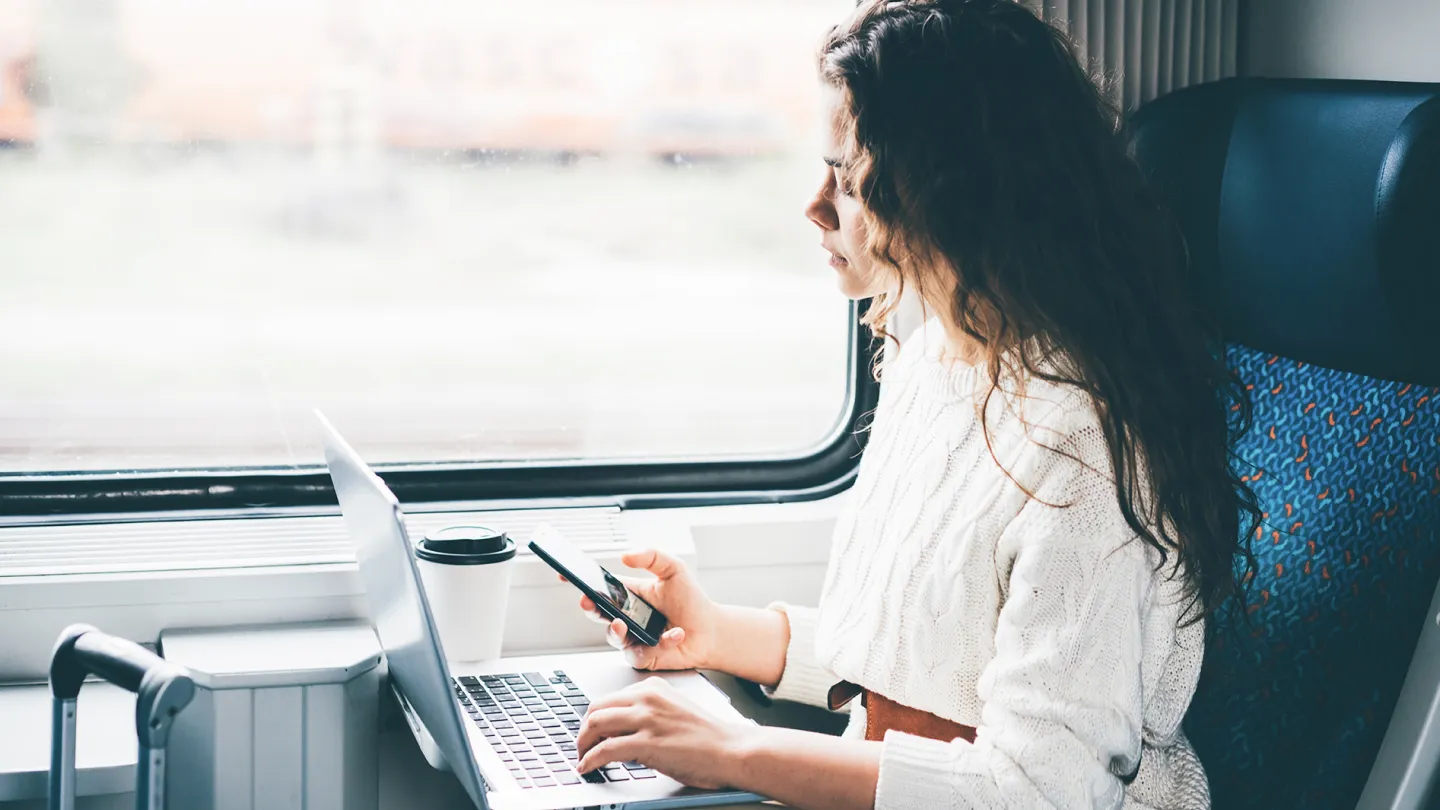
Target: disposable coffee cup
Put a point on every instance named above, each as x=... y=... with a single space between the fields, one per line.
x=466 y=572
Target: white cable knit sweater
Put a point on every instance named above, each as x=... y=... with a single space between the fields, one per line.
x=1042 y=622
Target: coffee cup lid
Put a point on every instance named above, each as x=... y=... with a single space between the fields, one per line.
x=466 y=545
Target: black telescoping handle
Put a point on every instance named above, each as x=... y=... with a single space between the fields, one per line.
x=162 y=689
x=117 y=660
x=83 y=650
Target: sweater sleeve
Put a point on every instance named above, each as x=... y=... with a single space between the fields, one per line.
x=1062 y=697
x=804 y=680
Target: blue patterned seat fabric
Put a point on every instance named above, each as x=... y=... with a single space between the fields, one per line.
x=1291 y=710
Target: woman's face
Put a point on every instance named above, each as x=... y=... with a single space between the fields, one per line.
x=839 y=215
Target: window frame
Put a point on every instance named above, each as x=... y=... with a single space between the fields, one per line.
x=237 y=492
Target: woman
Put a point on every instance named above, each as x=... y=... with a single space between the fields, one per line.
x=1046 y=511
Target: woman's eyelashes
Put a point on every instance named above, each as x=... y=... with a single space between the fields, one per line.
x=837 y=172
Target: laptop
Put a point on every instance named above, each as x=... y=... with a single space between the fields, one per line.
x=505 y=728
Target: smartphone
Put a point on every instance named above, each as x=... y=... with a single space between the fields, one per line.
x=608 y=593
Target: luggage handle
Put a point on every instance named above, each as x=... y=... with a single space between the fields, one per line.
x=161 y=690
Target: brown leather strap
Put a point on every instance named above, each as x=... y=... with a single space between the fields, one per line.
x=883 y=714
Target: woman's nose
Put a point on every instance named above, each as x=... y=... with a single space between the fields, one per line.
x=821 y=210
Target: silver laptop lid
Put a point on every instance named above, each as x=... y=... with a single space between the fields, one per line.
x=403 y=621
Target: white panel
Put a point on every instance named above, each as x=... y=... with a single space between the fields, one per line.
x=1058 y=12
x=1229 y=44
x=1184 y=30
x=1112 y=23
x=361 y=742
x=1165 y=53
x=325 y=747
x=1095 y=34
x=1215 y=36
x=1150 y=46
x=111 y=548
x=1131 y=65
x=1080 y=25
x=1146 y=48
x=1391 y=40
x=1198 y=51
x=234 y=750
x=279 y=748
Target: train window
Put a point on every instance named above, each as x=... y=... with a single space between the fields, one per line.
x=469 y=232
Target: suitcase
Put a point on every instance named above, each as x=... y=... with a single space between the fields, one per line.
x=162 y=690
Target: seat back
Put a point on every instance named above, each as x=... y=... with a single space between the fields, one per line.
x=1312 y=214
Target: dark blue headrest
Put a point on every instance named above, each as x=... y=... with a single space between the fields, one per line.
x=1312 y=213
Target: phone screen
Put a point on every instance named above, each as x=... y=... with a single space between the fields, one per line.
x=593 y=575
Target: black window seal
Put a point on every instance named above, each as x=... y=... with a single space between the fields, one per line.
x=29 y=498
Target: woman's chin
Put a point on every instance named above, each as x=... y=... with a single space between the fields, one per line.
x=853 y=288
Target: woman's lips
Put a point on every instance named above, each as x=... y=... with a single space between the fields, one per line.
x=837 y=261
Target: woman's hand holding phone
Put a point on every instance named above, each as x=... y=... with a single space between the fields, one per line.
x=690 y=639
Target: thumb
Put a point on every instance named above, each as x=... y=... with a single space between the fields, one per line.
x=662 y=565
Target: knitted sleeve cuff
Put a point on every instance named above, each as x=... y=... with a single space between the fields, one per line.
x=804 y=680
x=916 y=772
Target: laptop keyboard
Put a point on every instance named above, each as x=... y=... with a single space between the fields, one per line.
x=531 y=719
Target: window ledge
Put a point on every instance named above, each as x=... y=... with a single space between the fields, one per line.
x=743 y=553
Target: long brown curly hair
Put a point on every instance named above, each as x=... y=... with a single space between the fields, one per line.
x=994 y=173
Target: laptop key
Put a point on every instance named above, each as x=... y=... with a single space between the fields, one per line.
x=594 y=777
x=535 y=678
x=633 y=766
x=567 y=778
x=617 y=775
x=643 y=773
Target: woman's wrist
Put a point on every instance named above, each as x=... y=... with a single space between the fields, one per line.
x=740 y=753
x=749 y=643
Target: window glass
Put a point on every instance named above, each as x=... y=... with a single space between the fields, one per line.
x=468 y=231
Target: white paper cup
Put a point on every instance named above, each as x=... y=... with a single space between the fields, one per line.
x=466 y=573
